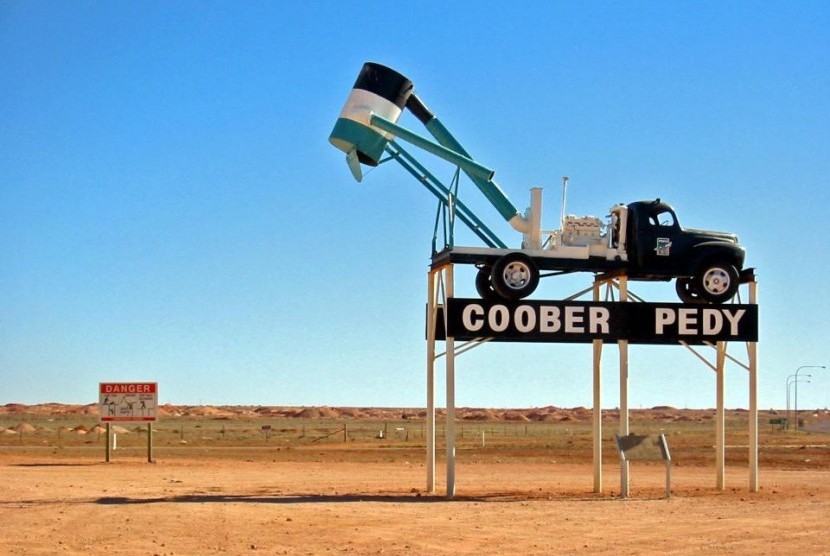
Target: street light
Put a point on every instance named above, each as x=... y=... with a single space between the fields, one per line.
x=796 y=388
x=790 y=382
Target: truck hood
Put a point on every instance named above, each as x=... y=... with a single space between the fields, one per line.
x=721 y=236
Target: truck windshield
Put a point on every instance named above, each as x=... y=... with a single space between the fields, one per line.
x=662 y=218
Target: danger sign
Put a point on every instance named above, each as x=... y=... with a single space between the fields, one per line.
x=128 y=388
x=127 y=401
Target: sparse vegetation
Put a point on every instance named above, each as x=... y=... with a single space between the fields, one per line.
x=358 y=434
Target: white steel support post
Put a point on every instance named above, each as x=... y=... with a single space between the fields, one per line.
x=597 y=432
x=432 y=314
x=624 y=421
x=752 y=354
x=720 y=418
x=450 y=362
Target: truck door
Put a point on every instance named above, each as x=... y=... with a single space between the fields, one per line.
x=657 y=234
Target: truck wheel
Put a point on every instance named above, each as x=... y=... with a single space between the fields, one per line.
x=686 y=291
x=716 y=281
x=484 y=283
x=514 y=276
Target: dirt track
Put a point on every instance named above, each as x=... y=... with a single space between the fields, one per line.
x=186 y=506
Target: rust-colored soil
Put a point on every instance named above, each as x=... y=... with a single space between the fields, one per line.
x=520 y=496
x=211 y=507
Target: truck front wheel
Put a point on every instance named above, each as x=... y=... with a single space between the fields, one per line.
x=716 y=282
x=514 y=276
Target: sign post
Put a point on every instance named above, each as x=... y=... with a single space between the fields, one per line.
x=107 y=450
x=473 y=322
x=120 y=402
x=647 y=447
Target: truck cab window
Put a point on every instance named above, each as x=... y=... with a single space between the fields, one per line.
x=663 y=219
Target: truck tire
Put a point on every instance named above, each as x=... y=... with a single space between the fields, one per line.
x=484 y=283
x=716 y=281
x=686 y=290
x=514 y=276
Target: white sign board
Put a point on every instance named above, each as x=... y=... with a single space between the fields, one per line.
x=128 y=401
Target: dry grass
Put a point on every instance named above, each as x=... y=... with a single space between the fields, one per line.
x=532 y=435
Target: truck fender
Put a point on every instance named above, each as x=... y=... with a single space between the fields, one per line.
x=702 y=252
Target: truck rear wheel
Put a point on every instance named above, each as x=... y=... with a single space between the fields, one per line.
x=484 y=283
x=514 y=276
x=686 y=290
x=716 y=281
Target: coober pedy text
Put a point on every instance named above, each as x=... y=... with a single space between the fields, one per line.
x=559 y=321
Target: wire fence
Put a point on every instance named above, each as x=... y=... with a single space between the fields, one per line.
x=205 y=432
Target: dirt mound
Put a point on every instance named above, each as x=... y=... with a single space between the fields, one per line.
x=167 y=410
x=544 y=414
x=549 y=414
x=23 y=427
x=207 y=411
x=478 y=415
x=318 y=413
x=515 y=416
x=357 y=413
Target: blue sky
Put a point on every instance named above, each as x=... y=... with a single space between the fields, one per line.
x=171 y=210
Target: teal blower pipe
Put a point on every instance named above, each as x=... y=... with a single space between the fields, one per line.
x=488 y=187
x=368 y=122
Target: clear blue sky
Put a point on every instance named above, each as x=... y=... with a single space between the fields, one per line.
x=171 y=210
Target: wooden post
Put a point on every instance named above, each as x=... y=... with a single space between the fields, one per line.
x=109 y=439
x=430 y=416
x=150 y=442
x=450 y=363
x=597 y=401
x=752 y=352
x=624 y=421
x=720 y=419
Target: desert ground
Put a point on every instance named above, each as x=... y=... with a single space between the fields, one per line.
x=247 y=480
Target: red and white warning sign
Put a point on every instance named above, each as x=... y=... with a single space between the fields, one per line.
x=127 y=401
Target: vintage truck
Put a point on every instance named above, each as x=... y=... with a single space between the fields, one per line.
x=642 y=240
